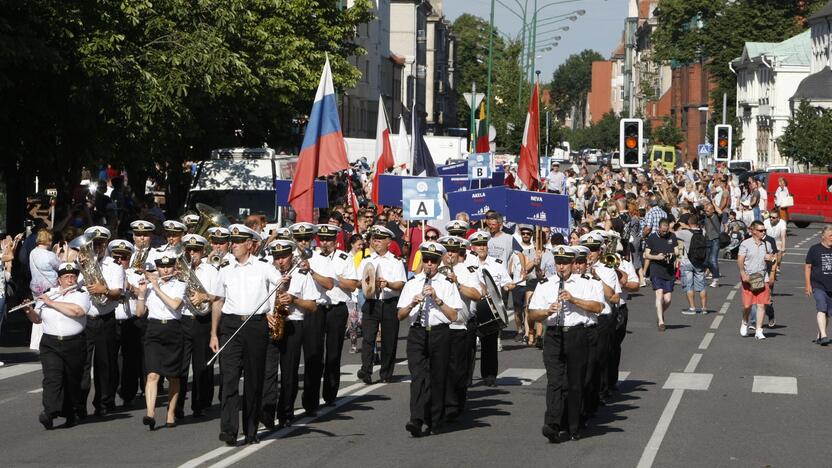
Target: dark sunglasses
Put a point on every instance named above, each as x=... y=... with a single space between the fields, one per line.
x=119 y=258
x=431 y=238
x=430 y=260
x=239 y=241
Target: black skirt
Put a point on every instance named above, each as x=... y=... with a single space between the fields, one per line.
x=163 y=347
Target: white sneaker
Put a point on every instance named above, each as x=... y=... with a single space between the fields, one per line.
x=759 y=335
x=743 y=329
x=715 y=283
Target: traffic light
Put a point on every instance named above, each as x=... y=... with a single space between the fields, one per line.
x=631 y=133
x=722 y=148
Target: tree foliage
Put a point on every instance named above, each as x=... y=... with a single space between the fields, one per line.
x=808 y=137
x=668 y=134
x=131 y=81
x=602 y=135
x=572 y=81
x=714 y=32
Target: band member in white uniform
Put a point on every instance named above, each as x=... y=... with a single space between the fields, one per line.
x=467 y=281
x=299 y=299
x=565 y=302
x=129 y=337
x=314 y=324
x=488 y=344
x=335 y=313
x=190 y=220
x=219 y=256
x=101 y=327
x=142 y=234
x=160 y=298
x=243 y=287
x=62 y=312
x=430 y=302
x=381 y=310
x=174 y=230
x=196 y=329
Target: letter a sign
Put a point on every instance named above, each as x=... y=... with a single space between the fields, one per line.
x=422 y=198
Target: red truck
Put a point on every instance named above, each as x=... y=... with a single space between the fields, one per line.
x=811 y=197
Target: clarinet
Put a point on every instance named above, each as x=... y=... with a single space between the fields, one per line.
x=423 y=303
x=559 y=319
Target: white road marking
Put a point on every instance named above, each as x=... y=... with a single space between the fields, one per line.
x=622 y=375
x=694 y=361
x=688 y=381
x=706 y=341
x=730 y=296
x=737 y=286
x=716 y=322
x=652 y=447
x=725 y=306
x=770 y=384
x=18 y=369
x=514 y=376
x=37 y=390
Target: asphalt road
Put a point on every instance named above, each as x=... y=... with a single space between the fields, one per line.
x=695 y=395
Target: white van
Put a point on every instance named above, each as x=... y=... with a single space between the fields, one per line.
x=241 y=181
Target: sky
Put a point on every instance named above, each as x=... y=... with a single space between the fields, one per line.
x=599 y=29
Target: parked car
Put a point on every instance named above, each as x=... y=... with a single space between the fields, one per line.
x=615 y=161
x=605 y=159
x=592 y=155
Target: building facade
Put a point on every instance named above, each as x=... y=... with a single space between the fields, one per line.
x=817 y=87
x=768 y=74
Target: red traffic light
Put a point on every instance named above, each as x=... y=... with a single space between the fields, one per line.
x=722 y=142
x=631 y=142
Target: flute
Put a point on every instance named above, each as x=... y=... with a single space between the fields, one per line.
x=54 y=295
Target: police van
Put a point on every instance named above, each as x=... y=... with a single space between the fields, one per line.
x=241 y=181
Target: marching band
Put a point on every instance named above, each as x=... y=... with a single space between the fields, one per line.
x=257 y=302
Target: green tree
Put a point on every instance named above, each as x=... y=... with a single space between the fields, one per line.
x=808 y=137
x=668 y=134
x=572 y=81
x=714 y=33
x=472 y=60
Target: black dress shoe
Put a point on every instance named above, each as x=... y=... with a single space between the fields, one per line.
x=127 y=404
x=101 y=412
x=452 y=415
x=198 y=413
x=251 y=440
x=170 y=425
x=229 y=438
x=268 y=422
x=179 y=414
x=46 y=420
x=149 y=422
x=311 y=413
x=575 y=437
x=365 y=377
x=330 y=403
x=70 y=421
x=414 y=428
x=550 y=433
x=82 y=413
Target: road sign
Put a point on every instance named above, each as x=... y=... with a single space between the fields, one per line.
x=421 y=198
x=705 y=148
x=477 y=99
x=479 y=166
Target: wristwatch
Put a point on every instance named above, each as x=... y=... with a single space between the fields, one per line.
x=439 y=303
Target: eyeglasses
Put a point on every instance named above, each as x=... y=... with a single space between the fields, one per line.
x=760 y=230
x=430 y=260
x=118 y=258
x=430 y=238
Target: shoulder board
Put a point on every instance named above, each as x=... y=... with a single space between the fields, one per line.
x=224 y=264
x=586 y=276
x=472 y=268
x=471 y=252
x=264 y=260
x=81 y=290
x=542 y=280
x=343 y=256
x=498 y=260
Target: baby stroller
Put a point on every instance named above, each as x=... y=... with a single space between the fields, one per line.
x=738 y=232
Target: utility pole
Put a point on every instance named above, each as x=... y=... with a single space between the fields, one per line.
x=488 y=92
x=629 y=51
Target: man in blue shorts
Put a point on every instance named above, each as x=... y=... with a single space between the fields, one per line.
x=661 y=251
x=818 y=278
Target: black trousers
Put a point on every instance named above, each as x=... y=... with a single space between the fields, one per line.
x=196 y=331
x=290 y=348
x=377 y=313
x=518 y=298
x=488 y=356
x=336 y=325
x=131 y=375
x=62 y=361
x=271 y=380
x=606 y=333
x=101 y=333
x=618 y=334
x=314 y=326
x=590 y=387
x=456 y=389
x=565 y=358
x=471 y=340
x=245 y=354
x=427 y=361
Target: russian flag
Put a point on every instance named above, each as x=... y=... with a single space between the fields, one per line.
x=323 y=151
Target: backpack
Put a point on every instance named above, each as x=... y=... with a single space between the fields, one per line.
x=698 y=252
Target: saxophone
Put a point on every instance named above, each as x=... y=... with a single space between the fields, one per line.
x=281 y=311
x=88 y=260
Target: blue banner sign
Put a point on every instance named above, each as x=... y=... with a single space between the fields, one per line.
x=479 y=166
x=283 y=187
x=423 y=198
x=537 y=208
x=477 y=202
x=453 y=169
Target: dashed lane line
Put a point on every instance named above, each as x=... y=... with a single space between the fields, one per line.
x=717 y=321
x=730 y=296
x=706 y=341
x=725 y=307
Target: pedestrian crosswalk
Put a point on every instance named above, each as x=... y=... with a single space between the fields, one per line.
x=18 y=369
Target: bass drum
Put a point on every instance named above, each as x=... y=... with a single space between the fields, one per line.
x=491 y=312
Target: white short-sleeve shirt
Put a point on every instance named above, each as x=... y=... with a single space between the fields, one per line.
x=342 y=265
x=547 y=293
x=388 y=267
x=428 y=311
x=58 y=324
x=156 y=308
x=245 y=286
x=114 y=277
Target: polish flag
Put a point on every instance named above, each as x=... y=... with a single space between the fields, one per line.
x=528 y=169
x=384 y=152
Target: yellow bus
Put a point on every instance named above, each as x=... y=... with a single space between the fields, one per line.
x=664 y=155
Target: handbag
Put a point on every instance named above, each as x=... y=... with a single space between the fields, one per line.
x=724 y=240
x=788 y=202
x=757 y=281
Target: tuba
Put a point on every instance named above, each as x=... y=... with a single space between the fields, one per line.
x=139 y=259
x=88 y=260
x=208 y=218
x=187 y=275
x=281 y=311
